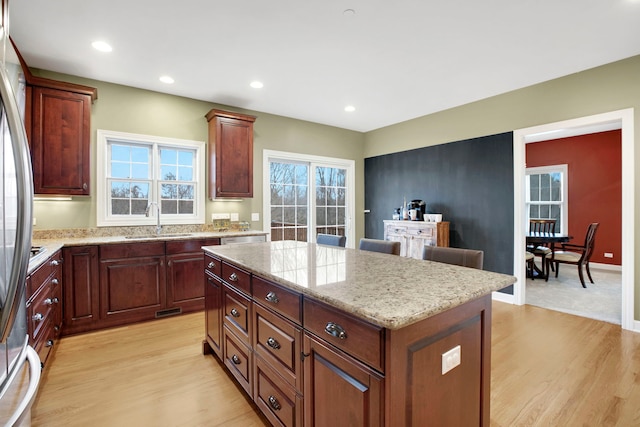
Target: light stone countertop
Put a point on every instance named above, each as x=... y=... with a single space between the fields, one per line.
x=386 y=290
x=57 y=242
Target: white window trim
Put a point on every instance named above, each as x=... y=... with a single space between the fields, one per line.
x=564 y=168
x=102 y=214
x=349 y=165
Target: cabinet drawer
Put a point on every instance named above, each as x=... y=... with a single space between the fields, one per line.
x=394 y=229
x=174 y=247
x=236 y=313
x=356 y=337
x=38 y=311
x=40 y=275
x=45 y=342
x=237 y=357
x=284 y=301
x=236 y=277
x=213 y=265
x=278 y=341
x=277 y=400
x=131 y=250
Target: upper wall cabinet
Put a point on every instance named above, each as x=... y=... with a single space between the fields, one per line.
x=58 y=123
x=230 y=154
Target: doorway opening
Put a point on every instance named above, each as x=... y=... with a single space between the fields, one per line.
x=621 y=119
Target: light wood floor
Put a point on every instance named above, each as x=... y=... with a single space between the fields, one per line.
x=548 y=369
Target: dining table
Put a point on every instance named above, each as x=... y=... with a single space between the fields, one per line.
x=547 y=239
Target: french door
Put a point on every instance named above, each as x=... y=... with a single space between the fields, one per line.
x=306 y=195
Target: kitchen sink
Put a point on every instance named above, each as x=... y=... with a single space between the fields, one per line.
x=157 y=236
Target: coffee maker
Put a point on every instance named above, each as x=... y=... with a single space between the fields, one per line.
x=419 y=206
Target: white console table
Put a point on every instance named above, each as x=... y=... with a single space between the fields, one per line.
x=414 y=235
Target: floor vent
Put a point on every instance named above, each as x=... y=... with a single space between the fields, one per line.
x=168 y=312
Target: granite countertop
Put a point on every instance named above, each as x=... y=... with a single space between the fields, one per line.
x=55 y=242
x=386 y=290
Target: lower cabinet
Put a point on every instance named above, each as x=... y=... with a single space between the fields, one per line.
x=306 y=363
x=44 y=306
x=339 y=390
x=122 y=283
x=132 y=282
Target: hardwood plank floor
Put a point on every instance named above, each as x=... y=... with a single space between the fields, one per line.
x=548 y=369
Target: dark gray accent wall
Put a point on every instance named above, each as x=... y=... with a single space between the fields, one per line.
x=469 y=182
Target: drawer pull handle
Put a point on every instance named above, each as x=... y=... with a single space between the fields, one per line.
x=49 y=343
x=271 y=342
x=37 y=317
x=233 y=277
x=55 y=300
x=55 y=263
x=273 y=402
x=235 y=359
x=335 y=330
x=272 y=297
x=48 y=301
x=211 y=265
x=235 y=313
x=54 y=281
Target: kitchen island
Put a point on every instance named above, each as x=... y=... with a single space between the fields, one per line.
x=318 y=335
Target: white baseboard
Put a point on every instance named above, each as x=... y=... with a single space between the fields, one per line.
x=608 y=267
x=502 y=297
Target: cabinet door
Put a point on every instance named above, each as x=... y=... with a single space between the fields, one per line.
x=231 y=154
x=60 y=141
x=213 y=313
x=80 y=289
x=132 y=289
x=184 y=281
x=338 y=390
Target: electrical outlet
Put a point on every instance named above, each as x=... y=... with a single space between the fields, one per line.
x=255 y=216
x=235 y=217
x=219 y=216
x=608 y=254
x=450 y=359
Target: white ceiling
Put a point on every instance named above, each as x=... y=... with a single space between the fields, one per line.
x=392 y=60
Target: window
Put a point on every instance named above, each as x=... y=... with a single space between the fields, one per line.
x=307 y=195
x=546 y=195
x=137 y=170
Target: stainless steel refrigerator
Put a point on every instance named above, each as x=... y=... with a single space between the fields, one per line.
x=19 y=363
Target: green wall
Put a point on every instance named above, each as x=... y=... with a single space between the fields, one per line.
x=126 y=109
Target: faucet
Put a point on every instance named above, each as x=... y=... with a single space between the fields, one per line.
x=146 y=213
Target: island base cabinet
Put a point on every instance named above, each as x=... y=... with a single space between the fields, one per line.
x=277 y=400
x=213 y=314
x=420 y=393
x=339 y=390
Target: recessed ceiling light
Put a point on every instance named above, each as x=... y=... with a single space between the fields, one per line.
x=256 y=84
x=349 y=12
x=102 y=46
x=167 y=79
x=349 y=108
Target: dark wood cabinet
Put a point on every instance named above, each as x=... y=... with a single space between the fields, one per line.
x=230 y=154
x=81 y=291
x=338 y=389
x=58 y=123
x=184 y=274
x=132 y=282
x=44 y=306
x=305 y=362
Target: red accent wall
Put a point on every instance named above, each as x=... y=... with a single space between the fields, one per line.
x=595 y=186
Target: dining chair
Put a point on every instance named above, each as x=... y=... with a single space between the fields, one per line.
x=577 y=254
x=542 y=225
x=529 y=259
x=472 y=258
x=331 y=240
x=382 y=246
